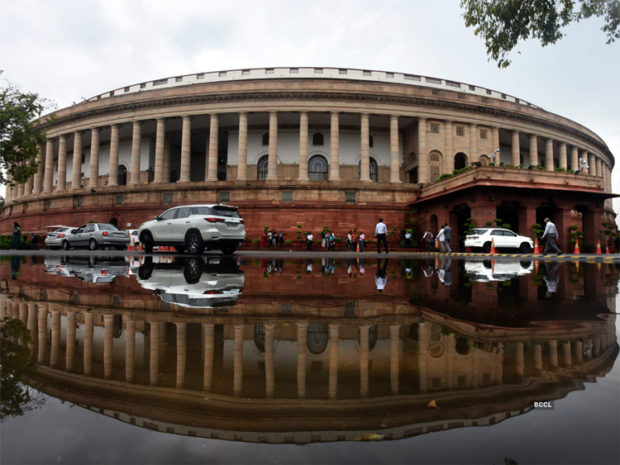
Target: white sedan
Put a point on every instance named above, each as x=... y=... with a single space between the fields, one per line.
x=481 y=238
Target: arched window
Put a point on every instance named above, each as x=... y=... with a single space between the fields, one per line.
x=317 y=138
x=262 y=168
x=373 y=169
x=434 y=165
x=460 y=161
x=266 y=138
x=122 y=175
x=317 y=168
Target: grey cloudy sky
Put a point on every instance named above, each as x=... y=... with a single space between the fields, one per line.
x=69 y=50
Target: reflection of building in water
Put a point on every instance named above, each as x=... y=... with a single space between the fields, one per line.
x=304 y=377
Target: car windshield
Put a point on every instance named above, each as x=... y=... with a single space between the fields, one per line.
x=107 y=227
x=478 y=231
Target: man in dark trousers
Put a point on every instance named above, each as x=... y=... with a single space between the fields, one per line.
x=447 y=235
x=381 y=235
x=550 y=235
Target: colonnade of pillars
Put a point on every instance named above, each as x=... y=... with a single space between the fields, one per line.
x=42 y=181
x=566 y=353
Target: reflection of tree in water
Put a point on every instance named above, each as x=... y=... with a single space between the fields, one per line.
x=16 y=398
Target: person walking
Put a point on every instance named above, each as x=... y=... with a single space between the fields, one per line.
x=16 y=238
x=381 y=276
x=441 y=238
x=350 y=246
x=331 y=241
x=408 y=239
x=309 y=239
x=381 y=235
x=428 y=238
x=361 y=239
x=550 y=236
x=447 y=235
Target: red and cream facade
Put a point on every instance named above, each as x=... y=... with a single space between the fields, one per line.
x=311 y=146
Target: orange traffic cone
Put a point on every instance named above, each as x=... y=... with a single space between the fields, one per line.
x=598 y=247
x=607 y=249
x=577 y=267
x=493 y=246
x=577 y=249
x=536 y=249
x=536 y=266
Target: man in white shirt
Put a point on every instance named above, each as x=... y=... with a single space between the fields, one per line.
x=381 y=235
x=551 y=235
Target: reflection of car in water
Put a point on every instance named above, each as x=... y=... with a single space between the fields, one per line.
x=486 y=270
x=97 y=270
x=194 y=282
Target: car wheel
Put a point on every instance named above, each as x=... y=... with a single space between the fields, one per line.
x=194 y=243
x=65 y=245
x=486 y=248
x=147 y=242
x=192 y=270
x=525 y=248
x=92 y=244
x=228 y=249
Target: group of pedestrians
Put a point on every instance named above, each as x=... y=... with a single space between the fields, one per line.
x=443 y=239
x=271 y=238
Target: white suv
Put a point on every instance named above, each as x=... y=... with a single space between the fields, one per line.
x=191 y=228
x=482 y=238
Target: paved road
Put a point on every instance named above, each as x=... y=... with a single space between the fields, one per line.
x=279 y=253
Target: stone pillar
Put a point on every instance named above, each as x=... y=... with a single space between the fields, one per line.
x=160 y=137
x=394 y=358
x=563 y=157
x=499 y=376
x=42 y=333
x=333 y=360
x=574 y=159
x=579 y=352
x=423 y=174
x=181 y=353
x=155 y=333
x=36 y=188
x=167 y=149
x=269 y=366
x=520 y=359
x=93 y=181
x=113 y=169
x=186 y=147
x=302 y=340
x=516 y=149
x=207 y=332
x=136 y=142
x=32 y=324
x=364 y=356
x=238 y=361
x=495 y=139
x=596 y=348
x=303 y=146
x=553 y=353
x=538 y=360
x=61 y=180
x=395 y=150
x=566 y=354
x=242 y=158
x=108 y=342
x=130 y=349
x=20 y=191
x=213 y=144
x=473 y=143
x=334 y=147
x=76 y=172
x=88 y=343
x=584 y=157
x=55 y=338
x=549 y=155
x=272 y=170
x=365 y=148
x=592 y=163
x=70 y=341
x=23 y=313
x=48 y=177
x=28 y=187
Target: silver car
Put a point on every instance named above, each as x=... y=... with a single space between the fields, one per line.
x=96 y=235
x=191 y=228
x=54 y=239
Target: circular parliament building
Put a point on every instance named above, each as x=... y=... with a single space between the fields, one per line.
x=304 y=148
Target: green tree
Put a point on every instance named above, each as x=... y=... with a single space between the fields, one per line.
x=504 y=23
x=20 y=135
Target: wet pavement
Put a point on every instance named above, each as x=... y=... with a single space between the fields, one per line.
x=309 y=358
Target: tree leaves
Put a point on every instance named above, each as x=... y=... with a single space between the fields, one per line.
x=504 y=23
